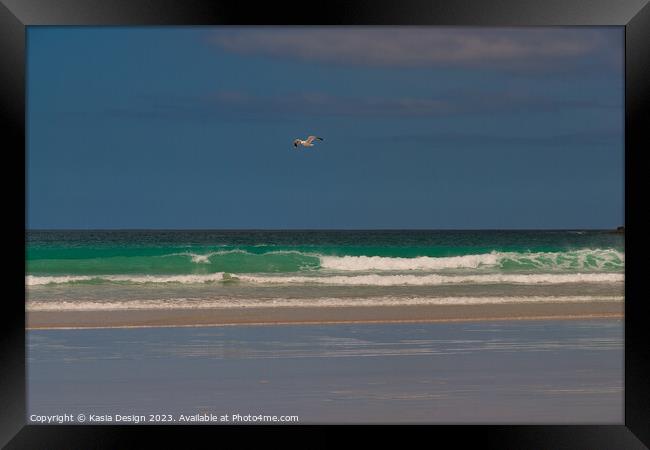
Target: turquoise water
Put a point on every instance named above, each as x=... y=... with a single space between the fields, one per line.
x=228 y=266
x=198 y=252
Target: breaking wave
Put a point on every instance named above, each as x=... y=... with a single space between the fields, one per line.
x=358 y=280
x=293 y=261
x=300 y=302
x=579 y=259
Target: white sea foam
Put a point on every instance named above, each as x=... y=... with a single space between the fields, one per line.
x=33 y=280
x=302 y=302
x=200 y=258
x=361 y=263
x=436 y=279
x=204 y=258
x=360 y=280
x=598 y=259
x=578 y=259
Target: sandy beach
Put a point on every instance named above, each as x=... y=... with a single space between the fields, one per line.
x=487 y=372
x=321 y=315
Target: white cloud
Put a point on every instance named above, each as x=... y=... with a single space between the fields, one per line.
x=420 y=46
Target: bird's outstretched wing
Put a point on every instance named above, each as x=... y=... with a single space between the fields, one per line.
x=311 y=139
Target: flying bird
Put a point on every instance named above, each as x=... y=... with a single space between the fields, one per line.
x=309 y=142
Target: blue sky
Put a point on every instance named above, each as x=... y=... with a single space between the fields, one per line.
x=424 y=127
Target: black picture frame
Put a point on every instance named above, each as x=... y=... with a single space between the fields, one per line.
x=634 y=15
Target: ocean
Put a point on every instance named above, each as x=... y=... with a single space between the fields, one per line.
x=122 y=270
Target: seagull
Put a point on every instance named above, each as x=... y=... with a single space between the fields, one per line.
x=307 y=142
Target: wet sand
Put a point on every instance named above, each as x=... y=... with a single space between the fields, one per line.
x=514 y=371
x=321 y=315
